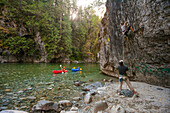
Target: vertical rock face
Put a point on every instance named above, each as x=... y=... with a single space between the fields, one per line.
x=41 y=47
x=146 y=52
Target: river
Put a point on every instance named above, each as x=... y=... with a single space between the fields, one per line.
x=22 y=85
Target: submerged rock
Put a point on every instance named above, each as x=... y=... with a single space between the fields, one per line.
x=3 y=108
x=12 y=111
x=31 y=98
x=7 y=90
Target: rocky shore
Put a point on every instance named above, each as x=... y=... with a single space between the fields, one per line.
x=98 y=98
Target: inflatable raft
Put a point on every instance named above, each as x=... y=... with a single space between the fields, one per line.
x=59 y=71
x=77 y=69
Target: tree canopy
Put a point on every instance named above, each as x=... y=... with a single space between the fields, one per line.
x=75 y=38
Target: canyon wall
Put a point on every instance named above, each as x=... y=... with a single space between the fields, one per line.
x=147 y=50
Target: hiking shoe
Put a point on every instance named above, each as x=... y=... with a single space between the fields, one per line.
x=118 y=93
x=135 y=95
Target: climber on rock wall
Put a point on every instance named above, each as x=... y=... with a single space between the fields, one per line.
x=125 y=29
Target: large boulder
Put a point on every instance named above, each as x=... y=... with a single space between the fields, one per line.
x=100 y=106
x=44 y=105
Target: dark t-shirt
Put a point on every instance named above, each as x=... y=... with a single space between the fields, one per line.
x=122 y=70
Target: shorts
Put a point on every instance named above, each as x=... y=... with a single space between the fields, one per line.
x=121 y=78
x=126 y=32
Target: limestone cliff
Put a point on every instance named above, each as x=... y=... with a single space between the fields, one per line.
x=146 y=52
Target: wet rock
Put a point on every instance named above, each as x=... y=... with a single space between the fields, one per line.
x=44 y=105
x=7 y=90
x=93 y=92
x=19 y=92
x=5 y=104
x=9 y=94
x=100 y=106
x=49 y=88
x=14 y=98
x=159 y=88
x=76 y=62
x=3 y=108
x=74 y=109
x=110 y=80
x=87 y=98
x=23 y=107
x=91 y=80
x=66 y=103
x=49 y=83
x=82 y=93
x=85 y=89
x=92 y=86
x=31 y=98
x=12 y=111
x=68 y=90
x=30 y=88
x=78 y=83
x=76 y=98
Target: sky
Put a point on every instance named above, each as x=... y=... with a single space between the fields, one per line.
x=85 y=3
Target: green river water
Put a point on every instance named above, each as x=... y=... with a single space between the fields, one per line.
x=22 y=85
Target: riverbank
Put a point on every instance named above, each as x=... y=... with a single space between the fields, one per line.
x=152 y=99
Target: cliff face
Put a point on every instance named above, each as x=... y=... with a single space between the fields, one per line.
x=146 y=52
x=10 y=26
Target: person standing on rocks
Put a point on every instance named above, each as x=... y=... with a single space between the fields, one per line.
x=124 y=30
x=122 y=74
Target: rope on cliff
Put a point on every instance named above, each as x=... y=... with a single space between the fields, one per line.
x=123 y=48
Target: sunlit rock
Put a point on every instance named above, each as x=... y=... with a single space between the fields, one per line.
x=87 y=98
x=74 y=109
x=31 y=98
x=76 y=98
x=66 y=103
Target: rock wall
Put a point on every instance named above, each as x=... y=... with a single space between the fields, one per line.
x=146 y=52
x=7 y=26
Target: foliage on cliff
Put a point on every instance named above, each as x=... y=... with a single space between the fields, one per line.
x=23 y=19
